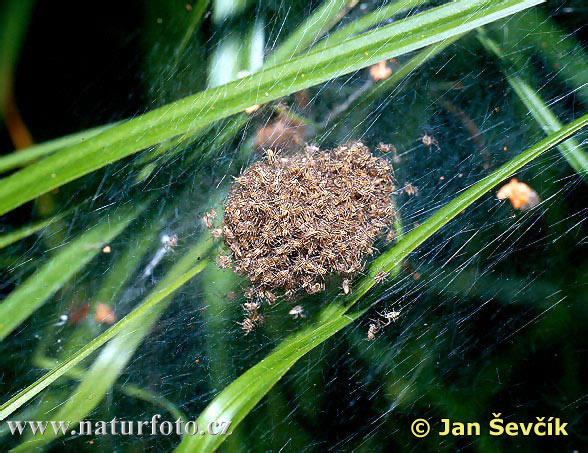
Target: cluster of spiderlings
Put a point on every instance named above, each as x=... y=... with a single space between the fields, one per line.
x=292 y=220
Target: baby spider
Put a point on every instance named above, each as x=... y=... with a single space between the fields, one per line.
x=256 y=317
x=381 y=276
x=409 y=189
x=247 y=325
x=391 y=235
x=385 y=147
x=430 y=141
x=297 y=311
x=250 y=309
x=169 y=242
x=207 y=219
x=372 y=331
x=269 y=296
x=223 y=261
x=251 y=306
x=390 y=316
x=346 y=286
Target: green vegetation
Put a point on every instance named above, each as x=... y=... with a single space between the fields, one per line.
x=109 y=216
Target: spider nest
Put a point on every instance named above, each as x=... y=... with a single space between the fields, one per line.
x=292 y=221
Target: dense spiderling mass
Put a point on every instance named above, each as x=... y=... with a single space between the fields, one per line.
x=291 y=221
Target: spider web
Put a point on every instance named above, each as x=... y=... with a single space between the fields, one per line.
x=490 y=313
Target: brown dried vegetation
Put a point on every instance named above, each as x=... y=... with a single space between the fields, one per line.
x=291 y=221
x=283 y=133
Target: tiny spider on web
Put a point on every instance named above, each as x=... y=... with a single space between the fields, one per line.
x=247 y=325
x=430 y=141
x=297 y=311
x=169 y=242
x=390 y=315
x=346 y=285
x=372 y=331
x=378 y=324
x=381 y=276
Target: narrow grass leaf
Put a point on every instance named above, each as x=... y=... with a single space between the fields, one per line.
x=15 y=236
x=549 y=122
x=25 y=156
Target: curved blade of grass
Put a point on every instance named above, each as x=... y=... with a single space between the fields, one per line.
x=25 y=156
x=309 y=31
x=115 y=356
x=35 y=291
x=15 y=236
x=197 y=111
x=240 y=397
x=536 y=31
x=570 y=149
x=399 y=75
x=131 y=390
x=369 y=20
x=143 y=310
x=197 y=13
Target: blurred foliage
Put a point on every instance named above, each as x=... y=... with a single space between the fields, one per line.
x=492 y=313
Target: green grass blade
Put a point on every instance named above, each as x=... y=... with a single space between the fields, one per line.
x=197 y=111
x=240 y=397
x=15 y=236
x=35 y=291
x=308 y=32
x=564 y=54
x=143 y=310
x=369 y=20
x=25 y=156
x=115 y=356
x=128 y=389
x=570 y=149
